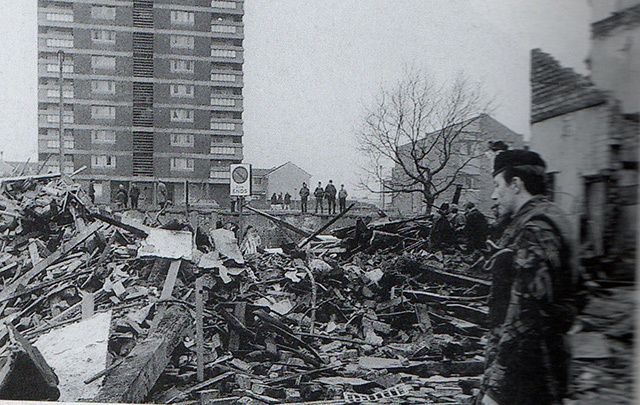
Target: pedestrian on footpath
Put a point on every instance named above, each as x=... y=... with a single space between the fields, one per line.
x=121 y=197
x=304 y=196
x=342 y=198
x=134 y=194
x=92 y=191
x=533 y=299
x=287 y=201
x=330 y=194
x=319 y=195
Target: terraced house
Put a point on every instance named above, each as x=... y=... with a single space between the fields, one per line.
x=151 y=90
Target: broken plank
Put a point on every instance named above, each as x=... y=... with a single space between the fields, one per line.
x=199 y=329
x=170 y=281
x=443 y=368
x=469 y=314
x=33 y=253
x=30 y=177
x=425 y=296
x=103 y=372
x=138 y=231
x=324 y=227
x=201 y=386
x=134 y=378
x=8 y=267
x=24 y=279
x=280 y=222
x=457 y=280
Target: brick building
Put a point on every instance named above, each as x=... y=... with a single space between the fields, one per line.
x=287 y=177
x=589 y=139
x=475 y=178
x=152 y=91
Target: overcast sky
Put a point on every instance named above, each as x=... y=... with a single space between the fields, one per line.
x=311 y=66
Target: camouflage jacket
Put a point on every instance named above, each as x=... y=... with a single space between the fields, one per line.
x=531 y=307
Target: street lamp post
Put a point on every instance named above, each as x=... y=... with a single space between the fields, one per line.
x=61 y=111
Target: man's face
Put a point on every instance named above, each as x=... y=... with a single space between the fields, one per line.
x=503 y=195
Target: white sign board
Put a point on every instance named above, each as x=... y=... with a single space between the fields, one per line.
x=240 y=179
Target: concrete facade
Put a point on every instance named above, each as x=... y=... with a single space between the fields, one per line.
x=152 y=90
x=475 y=178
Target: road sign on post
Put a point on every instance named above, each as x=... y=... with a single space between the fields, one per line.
x=240 y=180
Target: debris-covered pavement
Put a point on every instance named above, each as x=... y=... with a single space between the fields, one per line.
x=111 y=308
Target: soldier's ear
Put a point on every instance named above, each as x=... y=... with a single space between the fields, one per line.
x=517 y=184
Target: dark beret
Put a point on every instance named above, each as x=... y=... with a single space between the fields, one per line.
x=519 y=159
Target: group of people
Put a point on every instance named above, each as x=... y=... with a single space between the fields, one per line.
x=128 y=198
x=328 y=193
x=452 y=226
x=280 y=202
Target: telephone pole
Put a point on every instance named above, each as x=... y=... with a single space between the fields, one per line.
x=61 y=112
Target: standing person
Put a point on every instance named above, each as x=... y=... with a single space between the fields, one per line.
x=287 y=201
x=318 y=193
x=162 y=195
x=280 y=201
x=92 y=191
x=121 y=197
x=274 y=200
x=134 y=194
x=532 y=303
x=342 y=198
x=476 y=227
x=442 y=235
x=304 y=196
x=457 y=219
x=330 y=194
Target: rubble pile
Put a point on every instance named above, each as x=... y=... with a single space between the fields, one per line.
x=109 y=309
x=178 y=313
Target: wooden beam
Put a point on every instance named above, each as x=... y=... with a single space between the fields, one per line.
x=324 y=227
x=457 y=280
x=280 y=222
x=427 y=296
x=127 y=227
x=170 y=281
x=24 y=279
x=469 y=314
x=134 y=378
x=199 y=329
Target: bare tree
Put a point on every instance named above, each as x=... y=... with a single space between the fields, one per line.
x=420 y=127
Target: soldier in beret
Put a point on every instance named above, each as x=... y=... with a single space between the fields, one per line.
x=532 y=303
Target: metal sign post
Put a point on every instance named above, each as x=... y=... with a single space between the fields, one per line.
x=240 y=187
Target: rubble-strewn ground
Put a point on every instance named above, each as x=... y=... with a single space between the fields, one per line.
x=371 y=314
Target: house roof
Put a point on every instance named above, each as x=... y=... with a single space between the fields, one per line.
x=481 y=119
x=557 y=90
x=266 y=172
x=260 y=172
x=628 y=17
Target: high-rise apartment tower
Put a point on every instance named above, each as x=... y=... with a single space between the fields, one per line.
x=152 y=90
